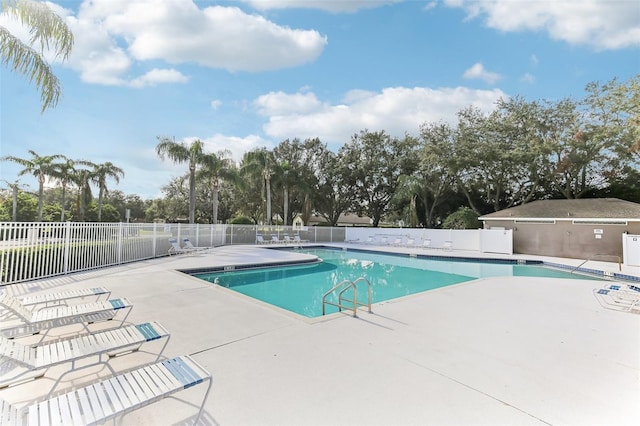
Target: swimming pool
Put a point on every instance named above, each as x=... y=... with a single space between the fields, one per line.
x=300 y=289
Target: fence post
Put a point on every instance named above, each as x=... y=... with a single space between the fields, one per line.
x=67 y=243
x=120 y=231
x=154 y=239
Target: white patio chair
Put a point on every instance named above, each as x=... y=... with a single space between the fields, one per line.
x=618 y=300
x=20 y=362
x=297 y=240
x=177 y=249
x=426 y=243
x=260 y=239
x=188 y=245
x=113 y=397
x=24 y=321
x=275 y=240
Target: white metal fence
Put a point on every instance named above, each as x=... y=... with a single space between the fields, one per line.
x=33 y=250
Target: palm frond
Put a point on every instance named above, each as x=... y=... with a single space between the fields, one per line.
x=45 y=27
x=26 y=61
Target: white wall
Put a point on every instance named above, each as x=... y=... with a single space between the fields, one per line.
x=496 y=241
x=631 y=249
x=481 y=240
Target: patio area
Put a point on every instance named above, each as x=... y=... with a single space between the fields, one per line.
x=506 y=350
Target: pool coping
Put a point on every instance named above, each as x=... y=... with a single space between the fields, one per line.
x=597 y=273
x=192 y=272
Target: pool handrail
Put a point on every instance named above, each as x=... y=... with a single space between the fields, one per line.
x=346 y=285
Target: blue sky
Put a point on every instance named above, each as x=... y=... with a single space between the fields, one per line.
x=241 y=75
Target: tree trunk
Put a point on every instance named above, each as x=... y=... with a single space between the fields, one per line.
x=15 y=204
x=100 y=194
x=192 y=195
x=40 y=196
x=214 y=216
x=64 y=193
x=286 y=205
x=268 y=184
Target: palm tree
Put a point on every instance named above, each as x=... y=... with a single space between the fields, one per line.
x=15 y=187
x=100 y=174
x=65 y=173
x=261 y=161
x=47 y=30
x=216 y=167
x=183 y=153
x=286 y=176
x=40 y=167
x=82 y=178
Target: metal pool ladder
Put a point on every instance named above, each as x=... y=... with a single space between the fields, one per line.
x=344 y=302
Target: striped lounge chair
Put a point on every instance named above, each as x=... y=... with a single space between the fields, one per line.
x=111 y=398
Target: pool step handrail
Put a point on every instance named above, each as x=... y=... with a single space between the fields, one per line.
x=351 y=303
x=592 y=257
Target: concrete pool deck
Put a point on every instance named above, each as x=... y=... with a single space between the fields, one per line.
x=506 y=350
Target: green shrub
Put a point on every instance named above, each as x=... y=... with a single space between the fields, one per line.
x=464 y=218
x=241 y=220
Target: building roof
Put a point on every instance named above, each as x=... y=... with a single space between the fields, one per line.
x=586 y=208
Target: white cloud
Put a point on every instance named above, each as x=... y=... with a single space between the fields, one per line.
x=237 y=145
x=396 y=110
x=156 y=76
x=477 y=71
x=280 y=103
x=528 y=78
x=534 y=59
x=430 y=5
x=111 y=36
x=215 y=104
x=333 y=6
x=604 y=24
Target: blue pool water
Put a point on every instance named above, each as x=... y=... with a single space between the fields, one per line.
x=300 y=288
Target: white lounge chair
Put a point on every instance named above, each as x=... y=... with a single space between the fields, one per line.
x=426 y=243
x=177 y=249
x=297 y=240
x=260 y=239
x=627 y=290
x=448 y=245
x=62 y=297
x=189 y=245
x=286 y=239
x=274 y=239
x=617 y=299
x=111 y=398
x=19 y=362
x=411 y=242
x=397 y=241
x=25 y=321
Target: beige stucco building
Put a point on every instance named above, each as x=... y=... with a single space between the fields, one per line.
x=580 y=229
